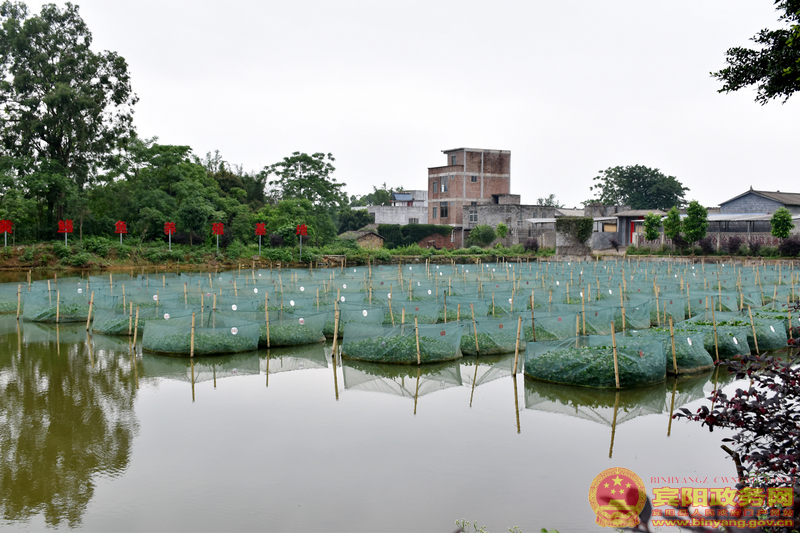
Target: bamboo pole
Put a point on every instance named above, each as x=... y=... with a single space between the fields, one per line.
x=516 y=348
x=89 y=318
x=616 y=363
x=753 y=325
x=191 y=347
x=583 y=312
x=416 y=334
x=474 y=328
x=714 y=321
x=672 y=337
x=789 y=313
x=335 y=327
x=136 y=328
x=533 y=319
x=672 y=406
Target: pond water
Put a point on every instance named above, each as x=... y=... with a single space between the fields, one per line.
x=95 y=437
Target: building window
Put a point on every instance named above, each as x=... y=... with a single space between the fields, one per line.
x=473 y=203
x=474 y=179
x=452 y=160
x=444 y=184
x=413 y=221
x=473 y=215
x=444 y=209
x=435 y=187
x=434 y=212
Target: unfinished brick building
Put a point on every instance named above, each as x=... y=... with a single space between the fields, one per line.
x=471 y=177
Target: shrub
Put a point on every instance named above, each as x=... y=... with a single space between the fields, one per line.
x=733 y=244
x=679 y=242
x=477 y=250
x=612 y=241
x=517 y=249
x=122 y=251
x=532 y=245
x=397 y=235
x=502 y=231
x=278 y=254
x=706 y=245
x=499 y=246
x=235 y=250
x=579 y=229
x=27 y=256
x=768 y=251
x=98 y=246
x=44 y=258
x=789 y=247
x=481 y=235
x=79 y=259
x=755 y=247
x=61 y=251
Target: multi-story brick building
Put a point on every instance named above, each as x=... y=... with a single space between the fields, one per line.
x=469 y=179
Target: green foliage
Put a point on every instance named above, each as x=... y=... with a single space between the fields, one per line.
x=397 y=236
x=236 y=249
x=382 y=196
x=309 y=177
x=774 y=67
x=193 y=216
x=61 y=251
x=27 y=256
x=549 y=201
x=79 y=259
x=781 y=224
x=481 y=235
x=652 y=224
x=354 y=219
x=502 y=231
x=579 y=229
x=99 y=246
x=638 y=186
x=673 y=224
x=696 y=222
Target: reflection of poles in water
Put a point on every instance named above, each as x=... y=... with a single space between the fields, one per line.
x=214 y=371
x=89 y=345
x=134 y=366
x=192 y=360
x=58 y=342
x=672 y=406
x=614 y=424
x=474 y=379
x=267 y=367
x=335 y=378
x=416 y=391
x=516 y=401
x=19 y=340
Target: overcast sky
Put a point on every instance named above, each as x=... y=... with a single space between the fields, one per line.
x=570 y=87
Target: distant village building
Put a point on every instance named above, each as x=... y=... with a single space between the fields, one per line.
x=761 y=202
x=364 y=238
x=408 y=207
x=471 y=177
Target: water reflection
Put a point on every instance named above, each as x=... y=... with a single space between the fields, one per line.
x=62 y=422
x=484 y=369
x=400 y=380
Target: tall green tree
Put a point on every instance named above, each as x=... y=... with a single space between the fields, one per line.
x=549 y=201
x=696 y=222
x=781 y=223
x=303 y=176
x=66 y=108
x=378 y=196
x=481 y=235
x=652 y=225
x=774 y=67
x=673 y=225
x=638 y=186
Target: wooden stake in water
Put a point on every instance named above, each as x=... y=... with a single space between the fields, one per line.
x=416 y=334
x=89 y=318
x=616 y=363
x=533 y=319
x=753 y=325
x=136 y=328
x=516 y=347
x=672 y=337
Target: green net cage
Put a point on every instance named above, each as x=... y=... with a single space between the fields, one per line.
x=691 y=356
x=731 y=336
x=426 y=312
x=359 y=313
x=386 y=344
x=589 y=361
x=116 y=322
x=68 y=305
x=213 y=334
x=8 y=296
x=494 y=336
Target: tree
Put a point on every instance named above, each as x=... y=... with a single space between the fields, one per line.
x=354 y=219
x=502 y=231
x=696 y=223
x=781 y=224
x=304 y=176
x=549 y=201
x=193 y=215
x=774 y=67
x=673 y=225
x=481 y=235
x=66 y=109
x=382 y=196
x=638 y=186
x=652 y=224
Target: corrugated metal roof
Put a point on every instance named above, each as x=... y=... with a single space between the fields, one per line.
x=639 y=212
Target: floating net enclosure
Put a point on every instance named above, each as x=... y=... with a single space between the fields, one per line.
x=495 y=336
x=73 y=306
x=287 y=329
x=690 y=354
x=386 y=344
x=359 y=313
x=589 y=361
x=8 y=296
x=731 y=333
x=426 y=312
x=214 y=334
